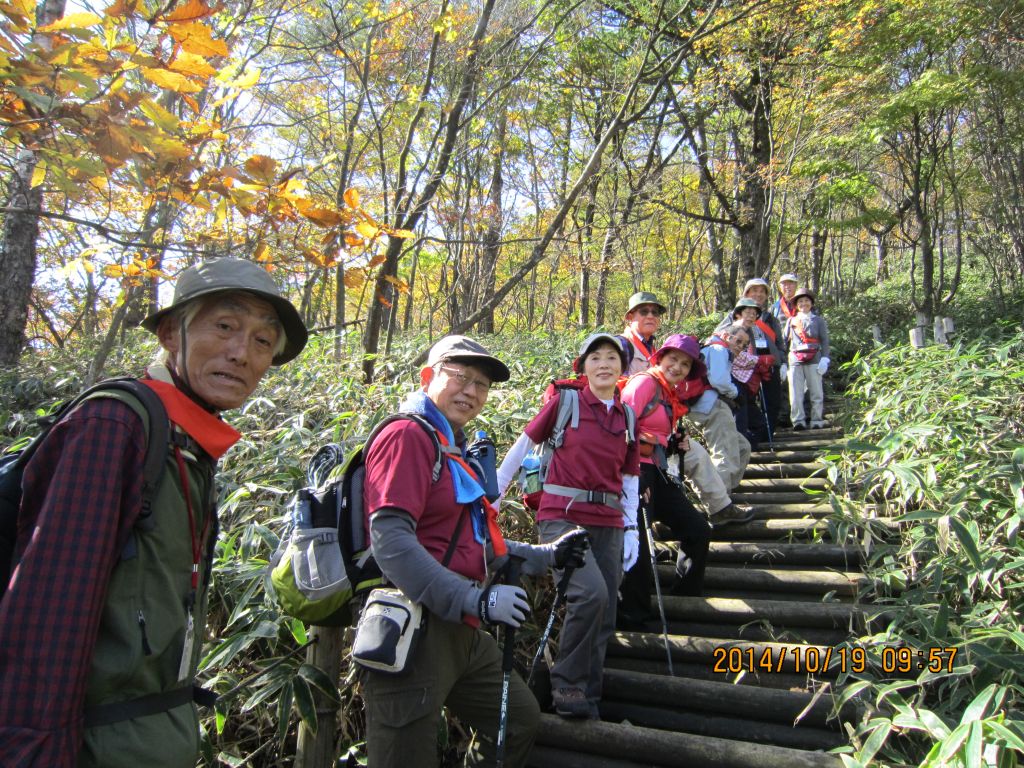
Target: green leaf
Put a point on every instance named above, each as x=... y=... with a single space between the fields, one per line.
x=967 y=541
x=304 y=702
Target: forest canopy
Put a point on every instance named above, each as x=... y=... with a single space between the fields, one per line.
x=406 y=166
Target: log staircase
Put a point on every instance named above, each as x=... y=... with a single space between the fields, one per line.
x=750 y=685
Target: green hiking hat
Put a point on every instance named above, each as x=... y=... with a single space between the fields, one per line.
x=219 y=275
x=645 y=297
x=745 y=303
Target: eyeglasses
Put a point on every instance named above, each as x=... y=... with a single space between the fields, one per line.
x=648 y=311
x=454 y=374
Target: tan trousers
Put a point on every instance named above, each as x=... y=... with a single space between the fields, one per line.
x=730 y=451
x=699 y=470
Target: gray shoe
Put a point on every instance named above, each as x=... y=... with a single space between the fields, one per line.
x=733 y=513
x=818 y=425
x=571 y=702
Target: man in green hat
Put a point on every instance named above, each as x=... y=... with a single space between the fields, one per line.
x=103 y=619
x=643 y=318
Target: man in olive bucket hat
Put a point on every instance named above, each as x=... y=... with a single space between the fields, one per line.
x=103 y=619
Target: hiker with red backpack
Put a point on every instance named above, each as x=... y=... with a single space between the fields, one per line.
x=591 y=482
x=653 y=396
x=713 y=410
x=436 y=539
x=103 y=620
x=806 y=340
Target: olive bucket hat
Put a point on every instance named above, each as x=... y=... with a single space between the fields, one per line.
x=745 y=303
x=219 y=275
x=644 y=297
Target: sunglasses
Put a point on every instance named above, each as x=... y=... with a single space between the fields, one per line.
x=645 y=311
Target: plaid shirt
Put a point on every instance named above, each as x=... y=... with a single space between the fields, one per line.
x=82 y=493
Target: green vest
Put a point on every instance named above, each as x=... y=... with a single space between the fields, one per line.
x=142 y=630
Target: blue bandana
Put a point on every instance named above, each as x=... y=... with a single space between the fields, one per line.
x=467 y=489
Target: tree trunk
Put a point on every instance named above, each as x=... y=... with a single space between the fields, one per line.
x=495 y=219
x=818 y=238
x=409 y=219
x=18 y=258
x=21 y=231
x=317 y=750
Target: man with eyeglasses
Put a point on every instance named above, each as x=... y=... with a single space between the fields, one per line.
x=643 y=319
x=437 y=540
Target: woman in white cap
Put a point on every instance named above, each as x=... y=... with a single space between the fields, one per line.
x=591 y=483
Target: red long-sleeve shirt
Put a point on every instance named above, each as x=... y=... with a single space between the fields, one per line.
x=82 y=495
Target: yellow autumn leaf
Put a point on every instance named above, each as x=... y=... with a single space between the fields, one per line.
x=368 y=230
x=72 y=21
x=19 y=11
x=160 y=116
x=198 y=39
x=261 y=167
x=190 y=64
x=38 y=174
x=113 y=270
x=246 y=80
x=190 y=11
x=400 y=285
x=352 y=197
x=325 y=217
x=121 y=8
x=260 y=254
x=171 y=81
x=353 y=241
x=401 y=234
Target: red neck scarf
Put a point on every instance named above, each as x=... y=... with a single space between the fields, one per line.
x=215 y=436
x=669 y=396
x=766 y=328
x=639 y=343
x=787 y=309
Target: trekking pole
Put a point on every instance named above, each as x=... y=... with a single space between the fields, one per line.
x=507 y=657
x=657 y=588
x=560 y=589
x=767 y=421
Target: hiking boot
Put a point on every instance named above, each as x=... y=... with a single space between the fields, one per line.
x=818 y=425
x=571 y=702
x=732 y=514
x=799 y=426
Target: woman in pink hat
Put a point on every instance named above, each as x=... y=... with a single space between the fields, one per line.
x=654 y=396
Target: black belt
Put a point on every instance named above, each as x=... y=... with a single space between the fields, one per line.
x=151 y=704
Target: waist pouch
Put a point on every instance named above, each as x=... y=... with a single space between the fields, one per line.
x=804 y=353
x=387 y=631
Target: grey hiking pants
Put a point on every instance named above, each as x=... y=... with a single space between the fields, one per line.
x=590 y=609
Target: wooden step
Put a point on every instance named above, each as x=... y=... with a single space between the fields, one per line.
x=761 y=497
x=778 y=470
x=781 y=612
x=781 y=485
x=653 y=747
x=789 y=553
x=816 y=582
x=784 y=456
x=770 y=529
x=725 y=657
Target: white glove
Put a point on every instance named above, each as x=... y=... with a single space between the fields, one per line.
x=630 y=547
x=783 y=372
x=823 y=365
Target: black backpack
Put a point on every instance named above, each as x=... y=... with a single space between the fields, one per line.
x=12 y=465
